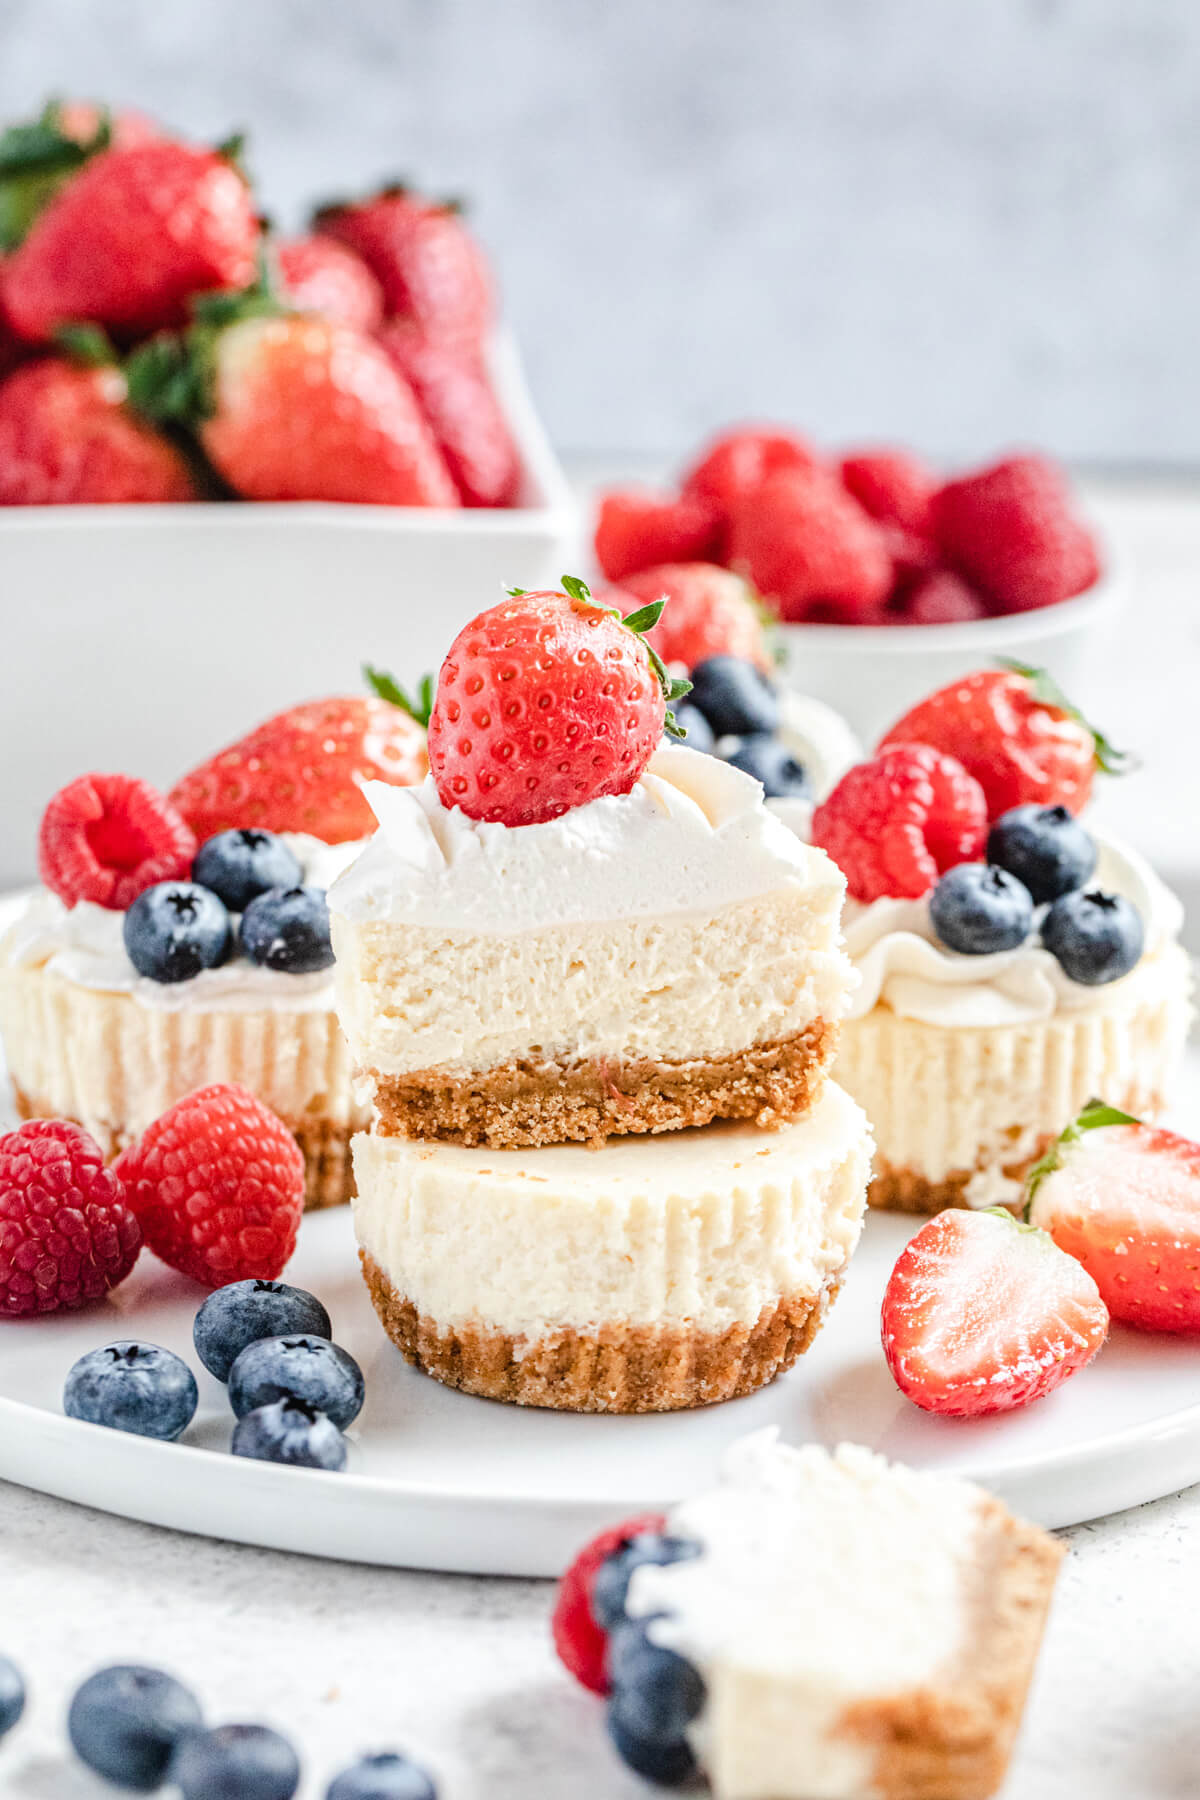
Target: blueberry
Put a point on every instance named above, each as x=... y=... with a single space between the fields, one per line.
x=290 y=1431
x=1046 y=848
x=288 y=929
x=698 y=733
x=245 y=1311
x=669 y=1761
x=978 y=909
x=305 y=1366
x=385 y=1776
x=236 y=1762
x=611 y=1586
x=132 y=1387
x=12 y=1695
x=238 y=865
x=175 y=929
x=125 y=1723
x=661 y=1691
x=1096 y=937
x=735 y=697
x=773 y=764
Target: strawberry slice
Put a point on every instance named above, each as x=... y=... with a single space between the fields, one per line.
x=983 y=1314
x=1124 y=1198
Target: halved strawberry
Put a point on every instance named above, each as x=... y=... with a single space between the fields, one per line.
x=1124 y=1199
x=581 y=1644
x=983 y=1314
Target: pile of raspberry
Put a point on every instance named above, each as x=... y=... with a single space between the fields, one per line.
x=870 y=538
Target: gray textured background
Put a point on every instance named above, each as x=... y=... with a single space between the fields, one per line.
x=968 y=223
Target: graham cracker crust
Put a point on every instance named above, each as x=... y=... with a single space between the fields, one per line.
x=635 y=1369
x=328 y=1168
x=953 y=1741
x=523 y=1104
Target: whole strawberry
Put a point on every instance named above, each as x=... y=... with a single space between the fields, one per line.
x=939 y=598
x=130 y=239
x=217 y=1184
x=303 y=770
x=318 y=275
x=1014 y=532
x=808 y=546
x=456 y=397
x=636 y=530
x=107 y=838
x=710 y=612
x=894 y=486
x=897 y=822
x=1017 y=734
x=734 y=466
x=68 y=438
x=544 y=703
x=293 y=407
x=432 y=272
x=66 y=1232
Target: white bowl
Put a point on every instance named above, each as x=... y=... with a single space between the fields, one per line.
x=143 y=638
x=872 y=674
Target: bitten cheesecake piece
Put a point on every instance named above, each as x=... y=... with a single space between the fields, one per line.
x=861 y=1631
x=666 y=1272
x=649 y=961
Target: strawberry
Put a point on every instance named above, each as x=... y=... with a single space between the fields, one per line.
x=809 y=547
x=430 y=268
x=897 y=822
x=939 y=598
x=894 y=486
x=319 y=275
x=130 y=239
x=456 y=397
x=293 y=407
x=1123 y=1198
x=39 y=156
x=68 y=438
x=546 y=702
x=983 y=1314
x=1018 y=735
x=303 y=771
x=581 y=1644
x=735 y=465
x=712 y=612
x=636 y=530
x=13 y=350
x=107 y=838
x=1013 y=531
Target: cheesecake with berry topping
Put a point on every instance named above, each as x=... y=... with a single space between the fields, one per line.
x=825 y=1626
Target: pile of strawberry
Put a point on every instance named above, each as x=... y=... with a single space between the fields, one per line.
x=158 y=344
x=871 y=538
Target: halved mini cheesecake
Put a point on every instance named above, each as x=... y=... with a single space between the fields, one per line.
x=646 y=962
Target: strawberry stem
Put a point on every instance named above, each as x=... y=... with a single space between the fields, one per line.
x=1093 y=1117
x=386 y=687
x=644 y=619
x=1109 y=760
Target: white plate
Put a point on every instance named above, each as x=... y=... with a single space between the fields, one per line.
x=441 y=1481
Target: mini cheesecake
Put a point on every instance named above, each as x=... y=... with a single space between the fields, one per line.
x=860 y=1631
x=647 y=962
x=661 y=1272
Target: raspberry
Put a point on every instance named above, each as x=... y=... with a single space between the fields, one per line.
x=806 y=544
x=1018 y=743
x=711 y=613
x=217 y=1184
x=636 y=529
x=581 y=1644
x=893 y=825
x=735 y=465
x=1012 y=531
x=940 y=598
x=66 y=1233
x=894 y=486
x=543 y=703
x=107 y=838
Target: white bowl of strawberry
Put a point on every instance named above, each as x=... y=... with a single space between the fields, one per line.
x=886 y=579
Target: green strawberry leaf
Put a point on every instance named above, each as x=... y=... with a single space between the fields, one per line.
x=164 y=382
x=1094 y=1117
x=35 y=160
x=388 y=688
x=1109 y=760
x=88 y=345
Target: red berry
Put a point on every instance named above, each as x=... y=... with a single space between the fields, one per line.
x=711 y=613
x=894 y=486
x=106 y=838
x=1018 y=746
x=639 y=530
x=941 y=599
x=1012 y=530
x=582 y=1646
x=893 y=825
x=303 y=770
x=66 y=1232
x=982 y=1314
x=456 y=397
x=809 y=547
x=319 y=275
x=543 y=703
x=67 y=438
x=735 y=465
x=217 y=1184
x=1124 y=1200
x=430 y=268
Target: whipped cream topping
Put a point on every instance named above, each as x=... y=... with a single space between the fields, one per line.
x=692 y=836
x=85 y=944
